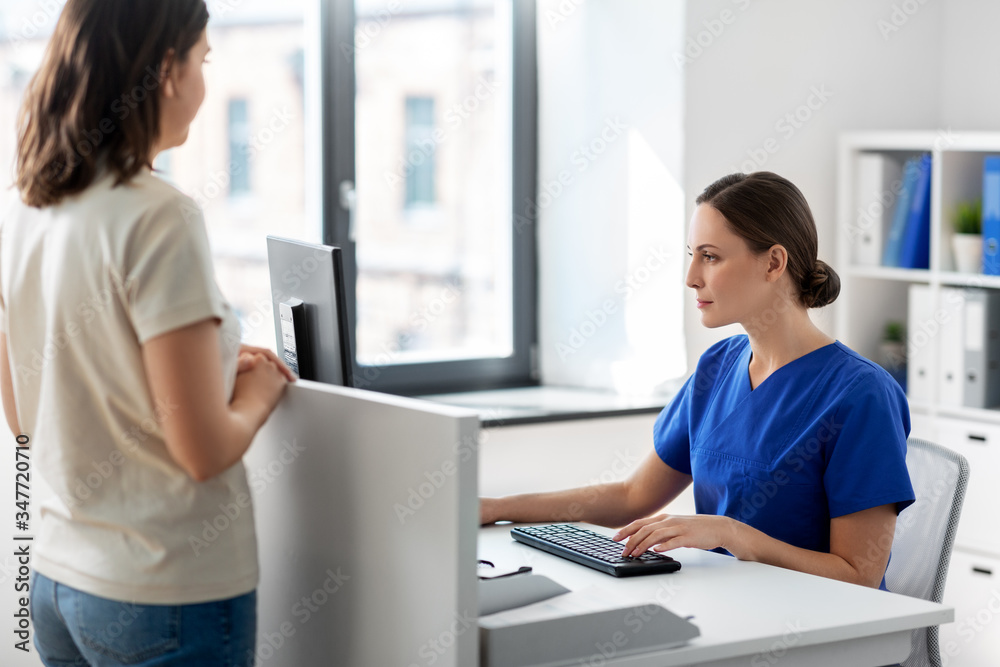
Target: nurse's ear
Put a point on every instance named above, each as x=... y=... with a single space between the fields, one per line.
x=777 y=262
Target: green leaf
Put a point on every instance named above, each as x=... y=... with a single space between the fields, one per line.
x=968 y=218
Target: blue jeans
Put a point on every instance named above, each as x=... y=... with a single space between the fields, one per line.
x=75 y=629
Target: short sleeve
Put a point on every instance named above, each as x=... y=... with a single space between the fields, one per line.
x=671 y=432
x=170 y=281
x=867 y=465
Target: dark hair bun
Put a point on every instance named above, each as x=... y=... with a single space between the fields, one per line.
x=821 y=287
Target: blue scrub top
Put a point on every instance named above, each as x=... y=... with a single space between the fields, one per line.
x=823 y=436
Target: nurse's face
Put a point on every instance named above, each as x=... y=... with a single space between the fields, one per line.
x=729 y=281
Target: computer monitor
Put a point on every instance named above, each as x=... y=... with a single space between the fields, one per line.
x=307 y=292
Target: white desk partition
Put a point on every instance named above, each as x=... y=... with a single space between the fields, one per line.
x=367 y=515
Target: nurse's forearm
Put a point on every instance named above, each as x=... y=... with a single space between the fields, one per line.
x=601 y=504
x=751 y=544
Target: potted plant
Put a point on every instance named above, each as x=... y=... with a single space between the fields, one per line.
x=967 y=241
x=892 y=351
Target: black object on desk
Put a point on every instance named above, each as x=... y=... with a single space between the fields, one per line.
x=593 y=550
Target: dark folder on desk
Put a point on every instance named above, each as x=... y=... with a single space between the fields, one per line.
x=511 y=592
x=576 y=626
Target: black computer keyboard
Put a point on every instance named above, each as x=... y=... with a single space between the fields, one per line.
x=593 y=550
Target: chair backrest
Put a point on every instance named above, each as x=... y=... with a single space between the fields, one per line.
x=925 y=534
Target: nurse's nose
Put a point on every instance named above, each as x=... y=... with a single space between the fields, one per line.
x=693 y=278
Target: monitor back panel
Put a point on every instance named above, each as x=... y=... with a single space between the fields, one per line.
x=314 y=274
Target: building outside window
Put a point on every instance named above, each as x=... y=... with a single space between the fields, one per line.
x=239 y=146
x=420 y=145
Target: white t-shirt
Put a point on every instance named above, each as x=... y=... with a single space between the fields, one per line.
x=82 y=286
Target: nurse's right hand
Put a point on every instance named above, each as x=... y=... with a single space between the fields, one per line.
x=670 y=531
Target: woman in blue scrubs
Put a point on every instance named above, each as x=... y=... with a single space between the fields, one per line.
x=795 y=444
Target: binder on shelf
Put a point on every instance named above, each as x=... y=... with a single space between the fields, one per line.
x=981 y=382
x=991 y=216
x=951 y=347
x=920 y=332
x=894 y=241
x=915 y=250
x=878 y=186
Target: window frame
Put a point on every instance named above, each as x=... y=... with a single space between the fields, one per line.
x=338 y=87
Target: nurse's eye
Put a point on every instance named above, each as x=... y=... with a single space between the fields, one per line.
x=709 y=257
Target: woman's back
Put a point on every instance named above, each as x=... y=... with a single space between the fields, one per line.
x=120 y=360
x=85 y=284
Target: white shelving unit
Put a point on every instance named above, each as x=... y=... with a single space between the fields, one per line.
x=873 y=295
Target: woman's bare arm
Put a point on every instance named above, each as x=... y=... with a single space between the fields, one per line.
x=651 y=486
x=205 y=435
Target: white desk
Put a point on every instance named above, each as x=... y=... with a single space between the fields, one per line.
x=748 y=613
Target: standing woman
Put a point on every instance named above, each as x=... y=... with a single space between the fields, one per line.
x=117 y=360
x=795 y=444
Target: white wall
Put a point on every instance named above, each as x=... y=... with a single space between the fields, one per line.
x=875 y=65
x=561 y=455
x=610 y=230
x=970 y=84
x=766 y=62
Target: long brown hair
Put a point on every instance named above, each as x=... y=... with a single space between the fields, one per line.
x=96 y=94
x=767 y=210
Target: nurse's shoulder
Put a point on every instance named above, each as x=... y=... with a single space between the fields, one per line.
x=722 y=354
x=861 y=377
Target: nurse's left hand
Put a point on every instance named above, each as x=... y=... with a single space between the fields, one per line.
x=666 y=531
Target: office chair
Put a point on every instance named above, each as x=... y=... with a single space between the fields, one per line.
x=925 y=533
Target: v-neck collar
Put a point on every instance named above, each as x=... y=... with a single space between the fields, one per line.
x=749 y=357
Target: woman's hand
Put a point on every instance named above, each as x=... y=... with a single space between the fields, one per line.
x=207 y=433
x=249 y=357
x=263 y=384
x=665 y=532
x=246 y=362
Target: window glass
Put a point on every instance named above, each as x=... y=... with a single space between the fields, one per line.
x=433 y=171
x=246 y=161
x=24 y=31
